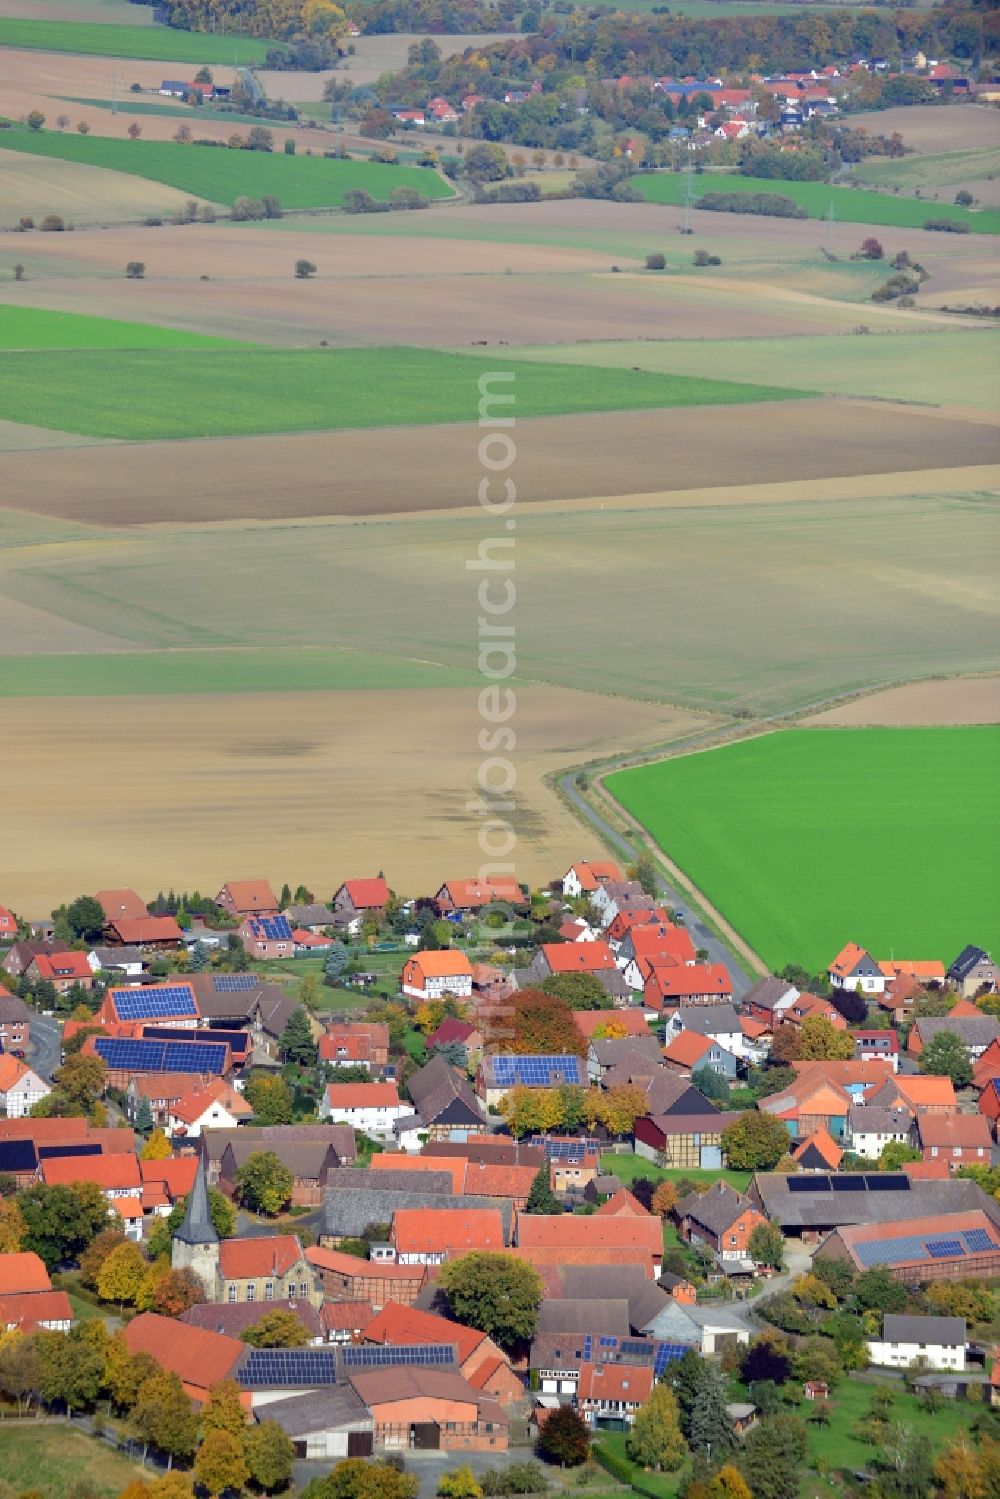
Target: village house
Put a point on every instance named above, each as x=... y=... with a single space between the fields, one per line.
x=455 y=1032
x=870 y=1045
x=854 y=968
x=358 y=900
x=432 y=975
x=720 y=1218
x=768 y=1000
x=639 y=1053
x=162 y=1090
x=962 y=1139
x=27 y=1300
x=938 y=1341
x=428 y=1236
x=372 y=1108
x=61 y=969
x=123 y=904
x=8 y=925
x=19 y=955
x=346 y=1277
x=232 y=1319
x=719 y=1023
x=478 y=1358
x=870 y=1129
x=611 y=1395
x=608 y=1235
x=959 y=1246
x=267 y=938
x=416 y=1406
x=689 y=1051
x=266 y=1269
x=356 y=1044
x=20 y=1087
x=972 y=971
x=806 y=1006
x=242 y=898
x=615 y=896
x=282 y=1139
x=604 y=1024
x=311 y=1162
x=147 y=933
x=553 y=958
x=446 y=1107
x=657 y=941
x=469 y=897
x=215 y=1104
x=693 y=1141
x=117 y=1175
x=15 y=1022
x=314 y=918
x=498 y=1073
x=121 y=962
x=976 y=1032
x=583 y=879
x=669 y=985
x=818 y=1152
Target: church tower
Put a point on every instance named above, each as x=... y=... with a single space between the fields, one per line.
x=196 y=1244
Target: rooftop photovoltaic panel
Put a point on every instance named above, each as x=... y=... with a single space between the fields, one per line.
x=944 y=1249
x=907 y=1247
x=808 y=1183
x=537 y=1072
x=847 y=1183
x=171 y=999
x=564 y=1150
x=47 y=1152
x=237 y=1041
x=288 y=1367
x=890 y=1183
x=159 y=1056
x=978 y=1240
x=275 y=928
x=383 y=1355
x=234 y=983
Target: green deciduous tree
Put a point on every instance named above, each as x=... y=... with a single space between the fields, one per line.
x=120 y=1277
x=541 y=1198
x=360 y=1478
x=277 y=1329
x=656 y=1440
x=269 y=1454
x=581 y=991
x=945 y=1056
x=163 y=1417
x=766 y=1245
x=223 y=1410
x=876 y=1291
x=772 y=1457
x=86 y=918
x=270 y=1098
x=495 y=1293
x=264 y=1183
x=61 y=1221
x=220 y=1464
x=754 y=1142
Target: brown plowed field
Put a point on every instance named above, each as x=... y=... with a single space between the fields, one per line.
x=335 y=781
x=406 y=469
x=956 y=700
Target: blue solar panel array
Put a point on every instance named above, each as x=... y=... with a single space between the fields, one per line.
x=170 y=999
x=382 y=1355
x=234 y=983
x=978 y=1240
x=237 y=1041
x=818 y=1181
x=922 y=1247
x=536 y=1072
x=288 y=1368
x=274 y=928
x=633 y=1351
x=564 y=1150
x=160 y=1056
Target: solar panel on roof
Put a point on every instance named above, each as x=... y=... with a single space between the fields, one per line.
x=808 y=1183
x=847 y=1183
x=383 y=1355
x=237 y=1041
x=288 y=1367
x=170 y=999
x=889 y=1183
x=978 y=1240
x=275 y=928
x=535 y=1072
x=564 y=1150
x=159 y=1056
x=234 y=983
x=944 y=1249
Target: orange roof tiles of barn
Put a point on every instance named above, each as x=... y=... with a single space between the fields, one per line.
x=688 y=1048
x=821 y=1140
x=449 y=963
x=23 y=1271
x=124 y=903
x=252 y=895
x=625 y=1383
x=398 y=1161
x=484 y=1179
x=176 y=1173
x=578 y=957
x=197 y=1356
x=362 y=1095
x=110 y=1172
x=440 y=1230
x=622 y=1204
x=349 y=1264
x=397 y=1324
x=35 y=1307
x=555 y=1255
x=570 y=1231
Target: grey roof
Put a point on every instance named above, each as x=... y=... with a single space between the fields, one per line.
x=614 y=983
x=278 y=1137
x=197 y=1226
x=866 y=1119
x=623 y=1048
x=437 y=1085
x=305 y=1159
x=360 y=1179
x=766 y=993
x=274 y=1004
x=346 y=1215
x=582 y=1316
x=946 y=1331
x=714 y=1315
x=605 y=1186
x=825 y=1209
x=233 y=1318
x=318 y=915
x=498 y=1150
x=117 y=957
x=715 y=1209
x=663 y=1087
x=695 y=1124
x=585 y=1282
x=332 y=1407
x=968 y=959
x=709 y=1020
x=972 y=1030
x=12 y=1008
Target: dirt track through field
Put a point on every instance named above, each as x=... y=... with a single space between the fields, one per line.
x=402 y=470
x=955 y=700
x=334 y=780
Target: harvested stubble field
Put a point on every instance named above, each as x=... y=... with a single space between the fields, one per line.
x=559 y=459
x=138 y=393
x=957 y=369
x=34 y=187
x=219 y=175
x=377 y=769
x=850 y=205
x=737 y=819
x=945 y=701
x=929 y=128
x=736 y=601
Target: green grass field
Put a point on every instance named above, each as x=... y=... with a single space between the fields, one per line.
x=850 y=205
x=808 y=839
x=220 y=175
x=199 y=115
x=50 y=1458
x=142 y=395
x=961 y=368
x=167 y=673
x=929 y=172
x=23 y=328
x=142 y=42
x=628 y=1167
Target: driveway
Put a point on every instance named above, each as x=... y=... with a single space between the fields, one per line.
x=717 y=951
x=45 y=1047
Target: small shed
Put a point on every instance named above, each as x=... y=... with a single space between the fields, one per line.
x=816 y=1389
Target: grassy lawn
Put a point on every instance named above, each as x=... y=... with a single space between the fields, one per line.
x=198 y=114
x=960 y=368
x=838 y=1445
x=416 y=1046
x=50 y=1459
x=853 y=812
x=220 y=175
x=850 y=205
x=663 y=1485
x=38 y=328
x=144 y=42
x=141 y=395
x=218 y=671
x=628 y=1167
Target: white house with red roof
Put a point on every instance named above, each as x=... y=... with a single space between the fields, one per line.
x=20 y=1088
x=583 y=879
x=432 y=975
x=372 y=1108
x=854 y=968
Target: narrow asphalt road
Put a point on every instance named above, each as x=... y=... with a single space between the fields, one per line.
x=45 y=1048
x=717 y=951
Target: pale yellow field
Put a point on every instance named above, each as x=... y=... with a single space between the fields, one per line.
x=960 y=700
x=187 y=791
x=36 y=186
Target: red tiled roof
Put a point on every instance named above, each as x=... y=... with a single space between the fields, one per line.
x=146 y=929
x=345 y=1316
x=362 y=1095
x=676 y=981
x=849 y=956
x=592 y=875
x=467 y=894
x=176 y=1174
x=24 y=1271
x=121 y=903
x=350 y=1264
x=578 y=957
x=447 y=963
x=34 y=1308
x=451 y=1029
x=542 y=1255
x=399 y=1161
x=821 y=1140
x=110 y=1172
x=245 y=1259
x=366 y=894
x=688 y=1048
x=628 y=1383
x=955 y=1131
x=446 y=1230
x=396 y=1324
x=199 y=1357
x=622 y=1205
x=252 y=895
x=632 y=1022
x=62 y=965
x=659 y=939
x=194 y=1104
x=570 y=1231
x=11 y=1071
x=484 y=1179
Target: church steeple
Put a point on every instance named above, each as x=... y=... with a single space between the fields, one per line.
x=197 y=1227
